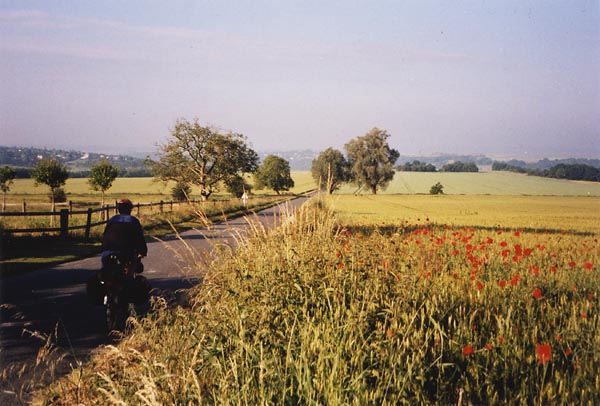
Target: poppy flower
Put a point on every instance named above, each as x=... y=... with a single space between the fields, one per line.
x=572 y=264
x=544 y=353
x=515 y=280
x=479 y=285
x=568 y=352
x=502 y=283
x=537 y=293
x=467 y=350
x=534 y=269
x=489 y=347
x=588 y=266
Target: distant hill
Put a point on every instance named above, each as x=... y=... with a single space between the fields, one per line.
x=77 y=162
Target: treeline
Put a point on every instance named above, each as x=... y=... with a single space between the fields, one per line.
x=418 y=166
x=26 y=173
x=560 y=171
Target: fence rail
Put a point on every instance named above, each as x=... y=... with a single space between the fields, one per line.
x=65 y=215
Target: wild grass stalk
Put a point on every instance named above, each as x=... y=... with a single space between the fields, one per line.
x=315 y=313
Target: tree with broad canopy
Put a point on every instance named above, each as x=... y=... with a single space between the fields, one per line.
x=372 y=160
x=204 y=157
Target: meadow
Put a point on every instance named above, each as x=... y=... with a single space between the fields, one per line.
x=389 y=299
x=328 y=311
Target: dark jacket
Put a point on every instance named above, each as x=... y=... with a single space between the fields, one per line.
x=124 y=233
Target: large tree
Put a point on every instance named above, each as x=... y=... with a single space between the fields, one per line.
x=51 y=173
x=371 y=160
x=330 y=169
x=102 y=175
x=204 y=157
x=7 y=175
x=274 y=173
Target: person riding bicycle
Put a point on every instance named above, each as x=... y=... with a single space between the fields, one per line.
x=124 y=237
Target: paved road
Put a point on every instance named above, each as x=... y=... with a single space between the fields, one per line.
x=50 y=305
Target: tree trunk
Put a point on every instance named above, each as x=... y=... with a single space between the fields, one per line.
x=374 y=189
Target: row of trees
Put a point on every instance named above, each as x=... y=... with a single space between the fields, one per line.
x=369 y=163
x=559 y=171
x=201 y=156
x=52 y=173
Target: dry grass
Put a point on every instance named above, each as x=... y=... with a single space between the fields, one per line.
x=313 y=313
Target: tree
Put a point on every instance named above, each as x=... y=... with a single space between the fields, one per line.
x=51 y=173
x=459 y=166
x=237 y=185
x=7 y=175
x=330 y=169
x=274 y=173
x=102 y=176
x=203 y=157
x=181 y=192
x=437 y=189
x=371 y=160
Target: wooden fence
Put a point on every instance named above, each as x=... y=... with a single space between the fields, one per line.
x=66 y=214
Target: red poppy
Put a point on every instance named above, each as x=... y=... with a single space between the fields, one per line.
x=517 y=233
x=489 y=347
x=479 y=285
x=502 y=283
x=544 y=353
x=568 y=352
x=467 y=350
x=588 y=266
x=537 y=293
x=515 y=280
x=572 y=264
x=534 y=269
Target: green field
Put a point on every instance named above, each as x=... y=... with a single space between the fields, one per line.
x=137 y=189
x=566 y=213
x=484 y=183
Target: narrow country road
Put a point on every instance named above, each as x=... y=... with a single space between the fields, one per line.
x=47 y=312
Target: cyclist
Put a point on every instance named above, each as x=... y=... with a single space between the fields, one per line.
x=124 y=236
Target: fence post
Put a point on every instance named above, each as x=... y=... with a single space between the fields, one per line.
x=88 y=224
x=24 y=206
x=138 y=209
x=64 y=222
x=161 y=207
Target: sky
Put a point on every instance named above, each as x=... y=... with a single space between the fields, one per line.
x=504 y=77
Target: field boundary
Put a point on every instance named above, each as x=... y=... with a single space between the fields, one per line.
x=65 y=215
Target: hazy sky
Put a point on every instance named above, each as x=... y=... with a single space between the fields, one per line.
x=508 y=77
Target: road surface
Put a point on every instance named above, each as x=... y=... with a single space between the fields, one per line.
x=47 y=311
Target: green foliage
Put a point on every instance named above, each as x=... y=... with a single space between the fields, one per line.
x=459 y=166
x=203 y=157
x=274 y=173
x=417 y=166
x=372 y=160
x=437 y=189
x=57 y=195
x=181 y=192
x=575 y=172
x=237 y=185
x=503 y=166
x=331 y=169
x=7 y=175
x=102 y=176
x=52 y=173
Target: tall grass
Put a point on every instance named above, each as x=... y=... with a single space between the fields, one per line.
x=315 y=313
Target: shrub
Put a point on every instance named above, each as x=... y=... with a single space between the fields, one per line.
x=437 y=189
